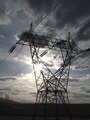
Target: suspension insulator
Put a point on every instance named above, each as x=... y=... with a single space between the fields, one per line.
x=12 y=48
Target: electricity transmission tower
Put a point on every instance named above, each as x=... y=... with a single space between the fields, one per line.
x=51 y=84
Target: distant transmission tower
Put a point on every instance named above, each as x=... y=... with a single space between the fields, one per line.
x=7 y=93
x=51 y=85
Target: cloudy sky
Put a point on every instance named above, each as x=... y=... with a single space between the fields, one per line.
x=16 y=73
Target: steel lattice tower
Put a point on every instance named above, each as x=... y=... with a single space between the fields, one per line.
x=51 y=86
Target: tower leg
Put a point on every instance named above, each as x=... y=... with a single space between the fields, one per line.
x=66 y=105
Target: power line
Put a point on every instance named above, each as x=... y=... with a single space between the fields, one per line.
x=49 y=11
x=83 y=23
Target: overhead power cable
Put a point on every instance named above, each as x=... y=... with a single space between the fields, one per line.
x=49 y=11
x=83 y=23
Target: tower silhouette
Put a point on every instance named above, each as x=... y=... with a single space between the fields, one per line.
x=51 y=84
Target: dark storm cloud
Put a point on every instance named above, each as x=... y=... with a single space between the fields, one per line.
x=82 y=62
x=2 y=8
x=72 y=11
x=68 y=13
x=4 y=18
x=40 y=5
x=84 y=32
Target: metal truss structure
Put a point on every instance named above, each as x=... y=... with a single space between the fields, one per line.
x=51 y=84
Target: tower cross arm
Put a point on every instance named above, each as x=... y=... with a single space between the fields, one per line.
x=86 y=50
